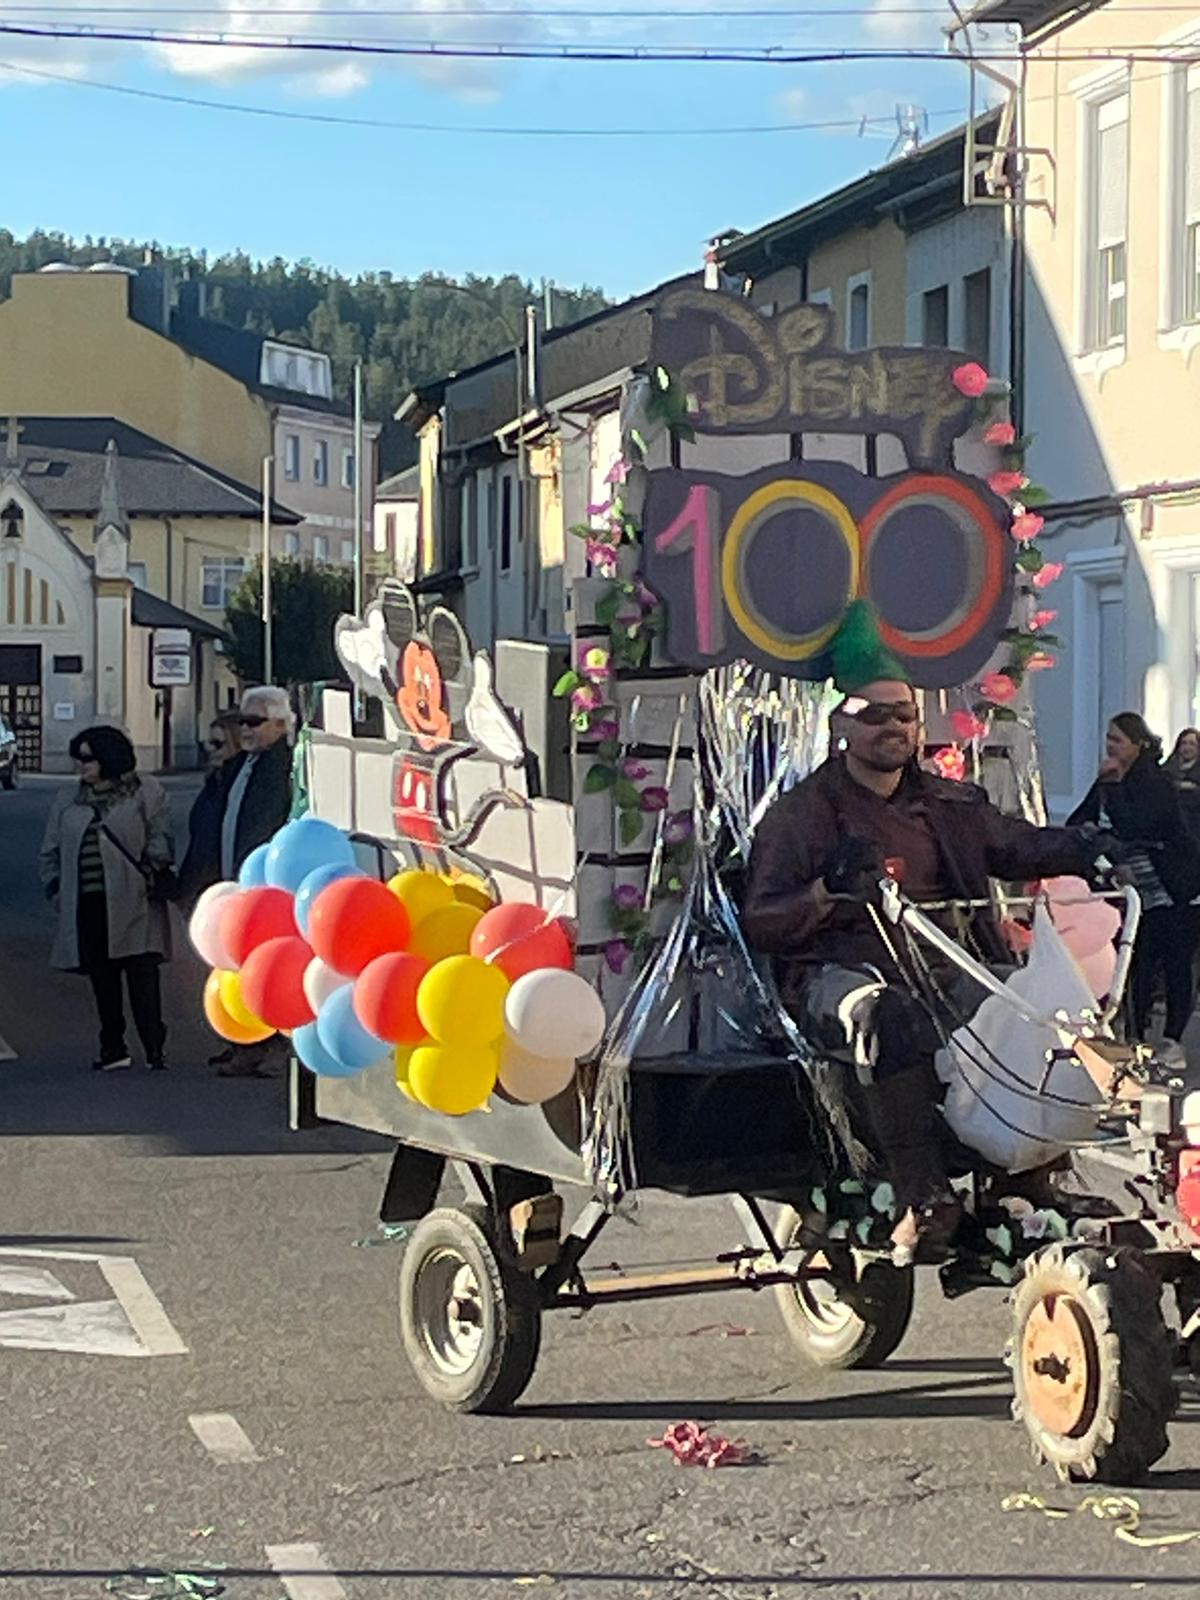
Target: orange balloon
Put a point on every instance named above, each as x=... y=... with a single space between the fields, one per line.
x=222 y=1023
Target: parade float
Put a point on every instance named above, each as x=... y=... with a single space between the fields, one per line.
x=542 y=979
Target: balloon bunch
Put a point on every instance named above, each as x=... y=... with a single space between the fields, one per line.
x=466 y=997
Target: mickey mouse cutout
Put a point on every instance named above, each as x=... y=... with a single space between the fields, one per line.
x=437 y=712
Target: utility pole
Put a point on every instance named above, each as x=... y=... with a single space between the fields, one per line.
x=267 y=620
x=359 y=475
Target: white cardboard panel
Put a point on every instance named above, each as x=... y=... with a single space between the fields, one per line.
x=331 y=769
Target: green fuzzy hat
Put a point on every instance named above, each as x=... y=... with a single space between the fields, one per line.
x=857 y=653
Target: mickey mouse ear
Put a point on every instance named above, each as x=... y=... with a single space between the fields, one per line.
x=449 y=644
x=399 y=609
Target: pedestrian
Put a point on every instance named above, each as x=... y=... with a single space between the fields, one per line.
x=202 y=860
x=105 y=865
x=256 y=802
x=1134 y=796
x=1183 y=766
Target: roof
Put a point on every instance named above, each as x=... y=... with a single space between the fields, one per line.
x=404 y=485
x=1031 y=16
x=777 y=242
x=149 y=611
x=238 y=352
x=62 y=461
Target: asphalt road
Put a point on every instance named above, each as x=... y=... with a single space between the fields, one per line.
x=330 y=1463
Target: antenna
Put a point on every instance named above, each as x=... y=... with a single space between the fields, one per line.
x=912 y=124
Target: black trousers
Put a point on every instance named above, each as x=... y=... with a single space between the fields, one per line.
x=1166 y=943
x=140 y=974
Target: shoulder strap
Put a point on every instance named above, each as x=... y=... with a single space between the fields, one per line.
x=112 y=838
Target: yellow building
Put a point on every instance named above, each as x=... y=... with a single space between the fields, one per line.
x=1107 y=211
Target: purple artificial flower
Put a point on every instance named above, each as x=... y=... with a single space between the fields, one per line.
x=627 y=896
x=655 y=798
x=586 y=698
x=634 y=769
x=616 y=954
x=678 y=827
x=600 y=509
x=607 y=728
x=618 y=472
x=603 y=557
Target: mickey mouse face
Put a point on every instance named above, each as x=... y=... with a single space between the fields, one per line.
x=421 y=696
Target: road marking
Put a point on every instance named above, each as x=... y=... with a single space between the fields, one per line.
x=133 y=1324
x=304 y=1572
x=7 y=1053
x=223 y=1437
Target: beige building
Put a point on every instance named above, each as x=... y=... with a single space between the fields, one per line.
x=1109 y=216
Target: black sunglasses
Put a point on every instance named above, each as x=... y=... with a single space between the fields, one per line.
x=253 y=722
x=874 y=714
x=84 y=757
x=216 y=744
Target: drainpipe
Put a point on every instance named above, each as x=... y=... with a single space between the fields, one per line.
x=170 y=559
x=1016 y=274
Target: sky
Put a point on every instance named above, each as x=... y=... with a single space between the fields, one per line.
x=458 y=196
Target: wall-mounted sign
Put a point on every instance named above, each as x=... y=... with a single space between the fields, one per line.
x=64 y=711
x=784 y=374
x=170 y=658
x=68 y=666
x=763 y=566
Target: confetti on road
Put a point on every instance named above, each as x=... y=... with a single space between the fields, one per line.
x=1123 y=1509
x=694 y=1446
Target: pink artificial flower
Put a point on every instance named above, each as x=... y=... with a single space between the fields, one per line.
x=655 y=798
x=1027 y=526
x=618 y=472
x=951 y=763
x=607 y=728
x=1006 y=483
x=678 y=827
x=998 y=687
x=603 y=557
x=1050 y=573
x=596 y=662
x=970 y=379
x=586 y=698
x=967 y=726
x=628 y=896
x=616 y=954
x=1040 y=661
x=600 y=509
x=634 y=770
x=1042 y=619
x=1002 y=434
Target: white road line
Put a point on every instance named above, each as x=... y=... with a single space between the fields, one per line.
x=7 y=1053
x=223 y=1437
x=304 y=1572
x=142 y=1306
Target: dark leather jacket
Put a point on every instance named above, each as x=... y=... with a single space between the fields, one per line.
x=796 y=838
x=1144 y=809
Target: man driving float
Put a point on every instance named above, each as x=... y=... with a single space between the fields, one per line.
x=818 y=858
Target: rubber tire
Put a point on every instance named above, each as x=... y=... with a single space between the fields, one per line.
x=9 y=779
x=512 y=1314
x=881 y=1312
x=1136 y=1396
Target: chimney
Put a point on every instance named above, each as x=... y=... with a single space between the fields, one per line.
x=193 y=298
x=150 y=295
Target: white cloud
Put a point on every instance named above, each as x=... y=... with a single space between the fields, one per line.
x=335 y=83
x=905 y=22
x=792 y=103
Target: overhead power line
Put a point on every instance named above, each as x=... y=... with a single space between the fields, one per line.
x=827 y=125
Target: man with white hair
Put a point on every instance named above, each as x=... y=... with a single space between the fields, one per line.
x=258 y=787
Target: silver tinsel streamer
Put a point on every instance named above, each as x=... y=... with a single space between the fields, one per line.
x=757 y=735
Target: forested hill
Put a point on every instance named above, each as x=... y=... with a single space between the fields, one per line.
x=403 y=329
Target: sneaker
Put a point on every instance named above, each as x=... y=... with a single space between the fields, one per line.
x=221 y=1057
x=1171 y=1054
x=156 y=1064
x=112 y=1063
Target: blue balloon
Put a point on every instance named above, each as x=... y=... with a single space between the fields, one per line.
x=311 y=887
x=343 y=1035
x=253 y=873
x=303 y=845
x=313 y=1054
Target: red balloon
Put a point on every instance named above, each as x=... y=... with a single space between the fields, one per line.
x=272 y=981
x=252 y=916
x=518 y=939
x=385 y=997
x=353 y=920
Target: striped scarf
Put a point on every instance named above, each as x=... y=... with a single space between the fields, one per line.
x=100 y=801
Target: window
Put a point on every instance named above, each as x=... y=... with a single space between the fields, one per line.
x=219 y=577
x=506 y=487
x=935 y=317
x=321 y=462
x=291 y=457
x=1110 y=190
x=858 y=313
x=1191 y=198
x=291 y=372
x=470 y=518
x=137 y=574
x=977 y=315
x=389 y=532
x=291 y=545
x=320 y=547
x=347 y=469
x=348 y=550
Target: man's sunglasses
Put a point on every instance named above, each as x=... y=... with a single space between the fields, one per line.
x=253 y=722
x=216 y=744
x=875 y=713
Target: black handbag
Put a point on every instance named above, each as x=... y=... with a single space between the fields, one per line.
x=162 y=885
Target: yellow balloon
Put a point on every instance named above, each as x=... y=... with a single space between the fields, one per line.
x=461 y=1001
x=222 y=1023
x=403 y=1060
x=421 y=892
x=472 y=892
x=446 y=932
x=451 y=1079
x=229 y=987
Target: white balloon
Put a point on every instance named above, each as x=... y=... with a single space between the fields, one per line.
x=203 y=929
x=532 y=1079
x=554 y=1014
x=320 y=981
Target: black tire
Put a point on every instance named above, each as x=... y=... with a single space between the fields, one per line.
x=470 y=1320
x=9 y=778
x=855 y=1327
x=1092 y=1361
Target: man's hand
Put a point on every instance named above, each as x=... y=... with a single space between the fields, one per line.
x=1109 y=869
x=854 y=869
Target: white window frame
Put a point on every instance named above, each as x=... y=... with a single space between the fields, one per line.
x=1089 y=573
x=320 y=465
x=232 y=571
x=291 y=544
x=860 y=280
x=320 y=547
x=348 y=552
x=347 y=467
x=291 y=457
x=1092 y=93
x=471 y=501
x=1176 y=331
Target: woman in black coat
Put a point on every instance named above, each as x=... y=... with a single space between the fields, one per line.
x=1135 y=798
x=202 y=863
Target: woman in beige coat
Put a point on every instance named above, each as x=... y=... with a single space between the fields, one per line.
x=107 y=841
